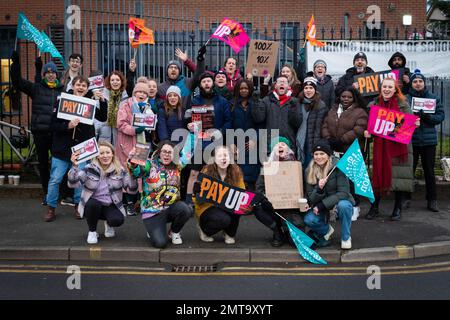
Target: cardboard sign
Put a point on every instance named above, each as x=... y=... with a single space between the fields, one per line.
x=232 y=33
x=74 y=107
x=147 y=121
x=262 y=57
x=390 y=124
x=88 y=150
x=96 y=82
x=229 y=198
x=284 y=183
x=427 y=105
x=370 y=83
x=141 y=155
x=203 y=116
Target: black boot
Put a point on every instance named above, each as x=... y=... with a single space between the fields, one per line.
x=373 y=212
x=396 y=214
x=432 y=206
x=278 y=238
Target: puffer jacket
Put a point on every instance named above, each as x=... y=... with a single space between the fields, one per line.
x=89 y=179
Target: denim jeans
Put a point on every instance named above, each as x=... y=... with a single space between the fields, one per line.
x=318 y=225
x=57 y=172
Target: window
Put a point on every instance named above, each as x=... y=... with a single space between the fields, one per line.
x=290 y=40
x=10 y=100
x=375 y=34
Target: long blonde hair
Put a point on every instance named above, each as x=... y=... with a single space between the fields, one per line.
x=115 y=161
x=315 y=172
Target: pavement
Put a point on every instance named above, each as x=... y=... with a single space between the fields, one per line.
x=25 y=236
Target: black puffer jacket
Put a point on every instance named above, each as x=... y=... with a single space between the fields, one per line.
x=43 y=98
x=404 y=86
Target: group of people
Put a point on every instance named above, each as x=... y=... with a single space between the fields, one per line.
x=316 y=122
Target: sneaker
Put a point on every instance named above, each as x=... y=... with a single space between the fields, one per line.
x=203 y=236
x=67 y=201
x=228 y=239
x=131 y=210
x=346 y=244
x=355 y=215
x=329 y=233
x=109 y=231
x=92 y=237
x=176 y=237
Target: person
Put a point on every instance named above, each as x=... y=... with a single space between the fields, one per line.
x=160 y=200
x=392 y=161
x=326 y=188
x=128 y=135
x=67 y=134
x=359 y=67
x=220 y=85
x=424 y=139
x=289 y=72
x=278 y=111
x=74 y=70
x=325 y=85
x=220 y=120
x=102 y=181
x=210 y=218
x=231 y=69
x=313 y=111
x=263 y=210
x=170 y=115
x=398 y=61
x=43 y=96
x=241 y=112
x=345 y=122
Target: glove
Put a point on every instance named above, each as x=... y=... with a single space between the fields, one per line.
x=201 y=53
x=15 y=57
x=196 y=188
x=424 y=116
x=139 y=130
x=320 y=206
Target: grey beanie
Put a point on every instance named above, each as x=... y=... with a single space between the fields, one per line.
x=174 y=62
x=320 y=61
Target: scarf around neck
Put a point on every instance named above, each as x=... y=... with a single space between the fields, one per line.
x=113 y=107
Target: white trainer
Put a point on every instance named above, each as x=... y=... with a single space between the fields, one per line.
x=228 y=239
x=109 y=231
x=203 y=236
x=176 y=237
x=329 y=233
x=355 y=215
x=92 y=237
x=346 y=244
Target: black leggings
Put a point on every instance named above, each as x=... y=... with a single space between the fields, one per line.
x=95 y=210
x=178 y=214
x=215 y=219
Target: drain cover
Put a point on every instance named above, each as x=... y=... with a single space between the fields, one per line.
x=212 y=268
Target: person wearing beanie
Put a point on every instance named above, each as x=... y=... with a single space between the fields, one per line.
x=347 y=80
x=327 y=187
x=424 y=139
x=398 y=61
x=325 y=84
x=43 y=94
x=313 y=111
x=170 y=115
x=220 y=85
x=175 y=78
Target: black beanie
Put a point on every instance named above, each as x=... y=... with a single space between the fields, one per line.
x=322 y=145
x=206 y=74
x=360 y=55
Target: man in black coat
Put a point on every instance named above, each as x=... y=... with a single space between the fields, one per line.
x=398 y=61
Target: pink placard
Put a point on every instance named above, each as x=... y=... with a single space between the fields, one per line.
x=390 y=124
x=232 y=33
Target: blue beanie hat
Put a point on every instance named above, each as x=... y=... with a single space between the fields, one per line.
x=49 y=66
x=416 y=74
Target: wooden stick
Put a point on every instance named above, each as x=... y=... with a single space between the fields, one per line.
x=331 y=172
x=207 y=42
x=365 y=146
x=15 y=45
x=135 y=52
x=73 y=134
x=304 y=44
x=280 y=216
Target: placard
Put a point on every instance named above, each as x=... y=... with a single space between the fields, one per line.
x=425 y=104
x=203 y=115
x=88 y=150
x=74 y=107
x=147 y=121
x=284 y=183
x=262 y=57
x=96 y=82
x=142 y=151
x=370 y=83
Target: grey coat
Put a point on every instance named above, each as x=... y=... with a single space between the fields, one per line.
x=89 y=179
x=326 y=90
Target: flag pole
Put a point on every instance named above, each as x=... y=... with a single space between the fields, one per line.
x=280 y=216
x=207 y=42
x=135 y=52
x=15 y=44
x=330 y=172
x=365 y=146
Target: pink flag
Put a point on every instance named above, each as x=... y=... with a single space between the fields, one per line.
x=232 y=33
x=390 y=124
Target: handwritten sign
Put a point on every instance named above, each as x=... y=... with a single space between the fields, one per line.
x=74 y=107
x=262 y=57
x=370 y=83
x=427 y=105
x=390 y=124
x=96 y=82
x=147 y=121
x=223 y=195
x=88 y=150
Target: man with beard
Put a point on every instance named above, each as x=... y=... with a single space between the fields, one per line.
x=217 y=116
x=347 y=80
x=398 y=61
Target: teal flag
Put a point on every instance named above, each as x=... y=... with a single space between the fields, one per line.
x=50 y=48
x=25 y=30
x=303 y=244
x=353 y=166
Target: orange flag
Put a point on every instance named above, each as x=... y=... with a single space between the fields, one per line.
x=311 y=34
x=138 y=34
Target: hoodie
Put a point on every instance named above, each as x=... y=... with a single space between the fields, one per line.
x=405 y=87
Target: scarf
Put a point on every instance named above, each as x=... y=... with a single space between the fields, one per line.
x=284 y=98
x=383 y=153
x=113 y=107
x=52 y=85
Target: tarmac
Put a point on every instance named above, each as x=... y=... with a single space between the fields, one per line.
x=25 y=236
